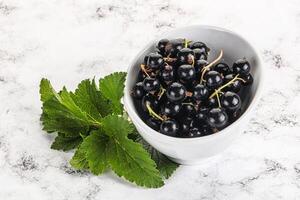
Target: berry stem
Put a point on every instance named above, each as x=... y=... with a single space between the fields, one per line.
x=185 y=43
x=241 y=80
x=161 y=92
x=144 y=70
x=207 y=67
x=225 y=85
x=218 y=98
x=152 y=113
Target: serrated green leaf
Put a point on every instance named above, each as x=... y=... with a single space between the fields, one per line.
x=165 y=166
x=96 y=147
x=65 y=143
x=79 y=160
x=89 y=98
x=46 y=90
x=128 y=159
x=114 y=125
x=112 y=87
x=61 y=114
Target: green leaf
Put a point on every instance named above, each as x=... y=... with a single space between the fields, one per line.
x=65 y=143
x=89 y=98
x=79 y=160
x=128 y=159
x=114 y=125
x=61 y=114
x=165 y=166
x=46 y=90
x=96 y=146
x=112 y=87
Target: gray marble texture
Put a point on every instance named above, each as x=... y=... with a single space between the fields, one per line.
x=70 y=40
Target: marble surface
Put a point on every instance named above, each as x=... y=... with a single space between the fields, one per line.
x=70 y=40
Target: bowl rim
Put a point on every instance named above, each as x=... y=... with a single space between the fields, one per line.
x=159 y=136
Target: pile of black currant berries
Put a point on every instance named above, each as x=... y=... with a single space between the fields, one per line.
x=180 y=94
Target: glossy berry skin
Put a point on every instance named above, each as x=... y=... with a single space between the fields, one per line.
x=212 y=102
x=185 y=125
x=188 y=109
x=199 y=45
x=231 y=101
x=200 y=54
x=173 y=47
x=176 y=92
x=241 y=67
x=171 y=109
x=205 y=129
x=138 y=90
x=151 y=100
x=194 y=132
x=167 y=75
x=202 y=114
x=141 y=76
x=151 y=84
x=185 y=56
x=169 y=127
x=162 y=45
x=154 y=61
x=153 y=123
x=217 y=118
x=199 y=64
x=248 y=78
x=213 y=79
x=201 y=92
x=186 y=73
x=222 y=68
x=235 y=86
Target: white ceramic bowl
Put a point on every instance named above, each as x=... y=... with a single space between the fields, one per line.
x=192 y=150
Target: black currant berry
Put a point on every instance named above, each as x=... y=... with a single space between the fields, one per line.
x=153 y=123
x=151 y=100
x=201 y=92
x=170 y=109
x=231 y=101
x=176 y=92
x=213 y=79
x=212 y=102
x=186 y=73
x=185 y=125
x=138 y=90
x=173 y=47
x=194 y=132
x=169 y=127
x=151 y=84
x=199 y=64
x=222 y=68
x=202 y=114
x=199 y=45
x=154 y=61
x=205 y=129
x=241 y=67
x=248 y=80
x=167 y=75
x=188 y=109
x=235 y=86
x=185 y=56
x=162 y=45
x=217 y=118
x=200 y=54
